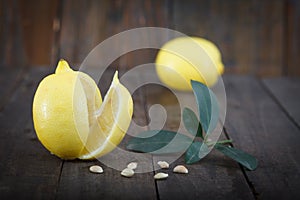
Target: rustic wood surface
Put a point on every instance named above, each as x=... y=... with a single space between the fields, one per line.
x=258 y=37
x=262 y=119
x=286 y=91
x=260 y=126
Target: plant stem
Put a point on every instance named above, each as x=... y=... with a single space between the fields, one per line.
x=219 y=142
x=224 y=141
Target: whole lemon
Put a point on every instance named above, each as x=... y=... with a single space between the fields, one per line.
x=61 y=110
x=70 y=119
x=188 y=58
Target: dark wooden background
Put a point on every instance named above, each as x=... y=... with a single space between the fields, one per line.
x=260 y=37
x=256 y=37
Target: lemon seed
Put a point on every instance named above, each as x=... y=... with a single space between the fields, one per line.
x=160 y=175
x=163 y=164
x=96 y=169
x=180 y=169
x=132 y=165
x=127 y=172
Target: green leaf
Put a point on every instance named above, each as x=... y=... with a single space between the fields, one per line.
x=241 y=157
x=192 y=123
x=207 y=105
x=196 y=152
x=191 y=155
x=159 y=142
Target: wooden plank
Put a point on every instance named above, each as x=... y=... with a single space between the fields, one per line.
x=27 y=169
x=10 y=78
x=87 y=23
x=286 y=92
x=26 y=32
x=259 y=126
x=12 y=48
x=269 y=35
x=229 y=24
x=143 y=14
x=36 y=22
x=214 y=177
x=77 y=182
x=292 y=51
x=82 y=28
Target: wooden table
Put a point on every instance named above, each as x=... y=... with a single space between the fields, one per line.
x=263 y=119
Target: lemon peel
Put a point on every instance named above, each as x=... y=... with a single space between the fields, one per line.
x=68 y=114
x=188 y=58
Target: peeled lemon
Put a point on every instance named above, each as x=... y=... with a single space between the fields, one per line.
x=70 y=119
x=188 y=58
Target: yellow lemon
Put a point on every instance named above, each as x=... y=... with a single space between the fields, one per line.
x=188 y=58
x=66 y=113
x=113 y=119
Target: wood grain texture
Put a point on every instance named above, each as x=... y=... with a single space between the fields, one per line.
x=82 y=28
x=36 y=19
x=78 y=183
x=10 y=79
x=293 y=38
x=12 y=52
x=259 y=126
x=261 y=120
x=27 y=169
x=214 y=173
x=286 y=92
x=87 y=23
x=110 y=184
x=255 y=37
x=248 y=33
x=143 y=14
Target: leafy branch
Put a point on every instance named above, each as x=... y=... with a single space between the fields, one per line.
x=198 y=144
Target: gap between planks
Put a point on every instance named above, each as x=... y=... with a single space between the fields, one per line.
x=257 y=125
x=202 y=173
x=278 y=93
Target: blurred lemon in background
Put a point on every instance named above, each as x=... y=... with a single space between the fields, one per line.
x=188 y=58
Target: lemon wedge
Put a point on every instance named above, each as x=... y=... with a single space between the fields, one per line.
x=113 y=120
x=70 y=119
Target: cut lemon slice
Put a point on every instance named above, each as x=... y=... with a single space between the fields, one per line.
x=113 y=120
x=70 y=119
